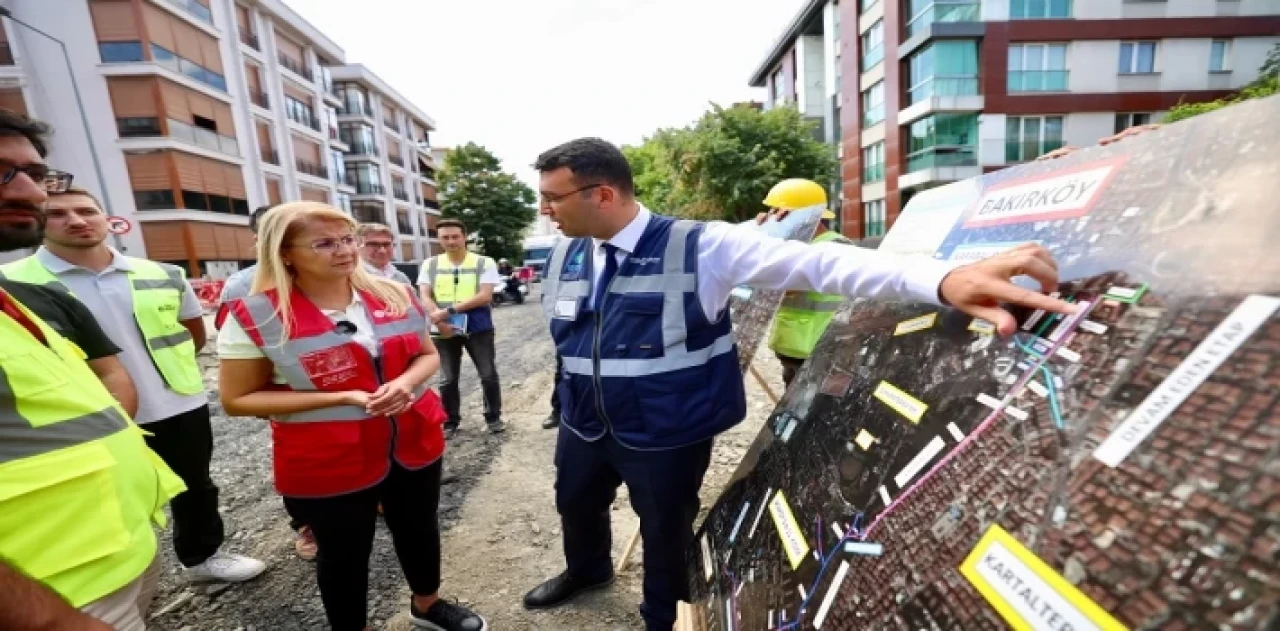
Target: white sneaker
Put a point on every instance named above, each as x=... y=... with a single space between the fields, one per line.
x=225 y=567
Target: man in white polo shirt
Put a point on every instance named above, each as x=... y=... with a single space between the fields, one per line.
x=150 y=311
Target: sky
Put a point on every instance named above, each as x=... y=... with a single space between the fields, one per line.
x=520 y=76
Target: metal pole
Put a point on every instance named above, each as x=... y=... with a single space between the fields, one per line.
x=84 y=119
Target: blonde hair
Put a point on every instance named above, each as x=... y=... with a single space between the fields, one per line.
x=277 y=230
x=366 y=229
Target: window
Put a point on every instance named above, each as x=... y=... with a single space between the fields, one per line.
x=873 y=163
x=873 y=46
x=1029 y=137
x=300 y=112
x=924 y=13
x=120 y=52
x=864 y=5
x=778 y=95
x=191 y=69
x=944 y=68
x=1219 y=50
x=344 y=202
x=368 y=179
x=943 y=140
x=368 y=212
x=1126 y=120
x=1039 y=9
x=873 y=105
x=1038 y=68
x=873 y=218
x=358 y=136
x=1137 y=57
x=337 y=166
x=154 y=200
x=402 y=222
x=354 y=99
x=138 y=127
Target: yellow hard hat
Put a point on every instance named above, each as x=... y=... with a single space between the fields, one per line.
x=797 y=193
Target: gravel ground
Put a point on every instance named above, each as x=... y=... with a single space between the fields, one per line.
x=501 y=531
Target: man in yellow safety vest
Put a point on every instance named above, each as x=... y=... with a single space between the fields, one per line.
x=804 y=315
x=457 y=288
x=79 y=489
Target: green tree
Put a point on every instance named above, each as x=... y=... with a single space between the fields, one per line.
x=723 y=165
x=1267 y=84
x=495 y=205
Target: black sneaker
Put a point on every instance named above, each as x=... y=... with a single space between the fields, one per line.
x=450 y=429
x=445 y=615
x=553 y=420
x=496 y=426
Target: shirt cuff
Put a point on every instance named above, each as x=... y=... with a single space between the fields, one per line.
x=923 y=279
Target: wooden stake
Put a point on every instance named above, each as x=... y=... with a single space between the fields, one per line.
x=764 y=385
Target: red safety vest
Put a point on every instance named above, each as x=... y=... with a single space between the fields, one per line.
x=338 y=450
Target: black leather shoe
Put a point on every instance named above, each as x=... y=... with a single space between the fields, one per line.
x=560 y=590
x=553 y=420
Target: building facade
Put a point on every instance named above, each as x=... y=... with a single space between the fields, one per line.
x=914 y=94
x=184 y=115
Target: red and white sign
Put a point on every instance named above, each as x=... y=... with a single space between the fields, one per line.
x=1046 y=197
x=118 y=225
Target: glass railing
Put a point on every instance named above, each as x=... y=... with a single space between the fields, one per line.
x=1026 y=151
x=362 y=149
x=935 y=12
x=873 y=115
x=942 y=157
x=311 y=168
x=196 y=9
x=943 y=86
x=873 y=173
x=297 y=67
x=1038 y=80
x=874 y=228
x=872 y=57
x=168 y=59
x=370 y=188
x=250 y=39
x=204 y=138
x=396 y=160
x=400 y=193
x=259 y=99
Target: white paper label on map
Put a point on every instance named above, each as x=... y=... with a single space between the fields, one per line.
x=1252 y=313
x=1122 y=292
x=764 y=503
x=1067 y=323
x=836 y=583
x=1034 y=599
x=865 y=548
x=989 y=401
x=982 y=327
x=1089 y=326
x=884 y=496
x=955 y=432
x=915 y=324
x=1069 y=355
x=923 y=458
x=742 y=514
x=1021 y=415
x=836 y=529
x=1035 y=387
x=707 y=570
x=1040 y=198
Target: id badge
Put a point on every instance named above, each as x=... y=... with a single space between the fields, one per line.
x=566 y=309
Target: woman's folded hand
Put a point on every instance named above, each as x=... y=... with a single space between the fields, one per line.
x=391 y=398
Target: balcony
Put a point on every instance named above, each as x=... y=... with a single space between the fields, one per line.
x=391 y=123
x=399 y=192
x=940 y=163
x=943 y=12
x=6 y=54
x=312 y=169
x=370 y=188
x=149 y=127
x=250 y=39
x=296 y=67
x=259 y=99
x=138 y=127
x=197 y=10
x=431 y=203
x=304 y=118
x=941 y=94
x=348 y=179
x=359 y=148
x=270 y=156
x=396 y=160
x=1038 y=81
x=361 y=108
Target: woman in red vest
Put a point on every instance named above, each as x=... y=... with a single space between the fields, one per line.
x=338 y=360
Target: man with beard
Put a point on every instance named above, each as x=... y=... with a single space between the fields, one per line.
x=149 y=310
x=64 y=543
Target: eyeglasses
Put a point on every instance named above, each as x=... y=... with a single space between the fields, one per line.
x=378 y=245
x=551 y=199
x=329 y=245
x=52 y=180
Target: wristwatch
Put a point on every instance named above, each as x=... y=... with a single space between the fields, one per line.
x=452 y=311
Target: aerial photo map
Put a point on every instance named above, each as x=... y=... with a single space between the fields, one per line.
x=1118 y=468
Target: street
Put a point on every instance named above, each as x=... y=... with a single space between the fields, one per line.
x=501 y=534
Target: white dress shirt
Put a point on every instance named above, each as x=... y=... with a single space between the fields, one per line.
x=109 y=295
x=732 y=255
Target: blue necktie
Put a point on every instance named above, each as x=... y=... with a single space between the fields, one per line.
x=610 y=270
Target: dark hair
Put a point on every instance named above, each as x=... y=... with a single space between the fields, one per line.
x=256 y=217
x=451 y=223
x=592 y=161
x=15 y=124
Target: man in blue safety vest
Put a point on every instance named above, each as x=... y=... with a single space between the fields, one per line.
x=638 y=309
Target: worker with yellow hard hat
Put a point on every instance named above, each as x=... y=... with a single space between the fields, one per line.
x=804 y=315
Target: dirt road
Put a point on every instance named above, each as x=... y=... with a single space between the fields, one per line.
x=501 y=531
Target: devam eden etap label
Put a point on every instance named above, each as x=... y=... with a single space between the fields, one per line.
x=1059 y=195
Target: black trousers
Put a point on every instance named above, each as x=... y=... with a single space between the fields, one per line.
x=664 y=492
x=790 y=366
x=480 y=347
x=344 y=526
x=555 y=392
x=185 y=443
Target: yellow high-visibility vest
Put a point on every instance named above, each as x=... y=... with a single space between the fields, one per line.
x=79 y=488
x=804 y=315
x=459 y=283
x=157 y=299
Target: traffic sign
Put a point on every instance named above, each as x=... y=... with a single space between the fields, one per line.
x=118 y=225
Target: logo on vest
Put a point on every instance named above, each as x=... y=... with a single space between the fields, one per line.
x=168 y=307
x=329 y=367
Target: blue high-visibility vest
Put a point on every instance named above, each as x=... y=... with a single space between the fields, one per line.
x=645 y=365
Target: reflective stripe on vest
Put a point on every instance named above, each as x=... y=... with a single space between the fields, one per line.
x=25 y=440
x=162 y=333
x=472 y=268
x=284 y=355
x=673 y=283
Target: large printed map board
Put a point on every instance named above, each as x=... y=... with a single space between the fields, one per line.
x=1117 y=469
x=752 y=310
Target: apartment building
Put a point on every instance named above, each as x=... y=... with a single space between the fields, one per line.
x=184 y=115
x=914 y=94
